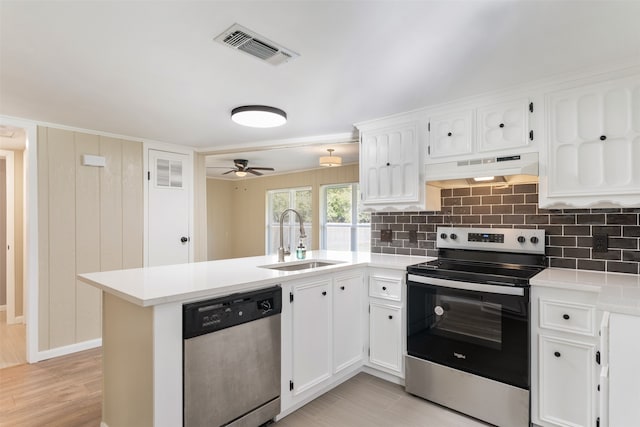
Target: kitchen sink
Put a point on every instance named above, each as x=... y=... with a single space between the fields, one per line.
x=300 y=265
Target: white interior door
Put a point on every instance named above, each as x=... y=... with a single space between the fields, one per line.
x=170 y=177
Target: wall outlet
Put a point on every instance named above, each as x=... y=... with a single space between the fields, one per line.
x=600 y=243
x=413 y=236
x=386 y=236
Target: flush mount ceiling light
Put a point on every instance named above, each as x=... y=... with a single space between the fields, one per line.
x=330 y=160
x=258 y=116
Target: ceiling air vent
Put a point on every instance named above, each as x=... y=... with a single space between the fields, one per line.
x=240 y=38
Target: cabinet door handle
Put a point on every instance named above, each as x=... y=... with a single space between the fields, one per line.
x=449 y=134
x=390 y=317
x=556 y=354
x=566 y=316
x=342 y=288
x=501 y=125
x=384 y=288
x=324 y=292
x=388 y=164
x=603 y=137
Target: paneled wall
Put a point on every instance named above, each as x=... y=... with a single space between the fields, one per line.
x=569 y=232
x=237 y=209
x=89 y=219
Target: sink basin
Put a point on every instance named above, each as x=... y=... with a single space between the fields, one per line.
x=300 y=265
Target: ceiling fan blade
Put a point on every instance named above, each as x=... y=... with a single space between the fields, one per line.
x=232 y=170
x=262 y=169
x=251 y=170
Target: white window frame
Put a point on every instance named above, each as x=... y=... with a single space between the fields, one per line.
x=354 y=225
x=289 y=222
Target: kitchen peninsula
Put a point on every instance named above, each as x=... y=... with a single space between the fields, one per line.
x=142 y=324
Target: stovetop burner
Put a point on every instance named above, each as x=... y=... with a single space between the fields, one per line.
x=498 y=256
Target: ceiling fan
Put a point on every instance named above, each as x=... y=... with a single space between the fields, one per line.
x=241 y=168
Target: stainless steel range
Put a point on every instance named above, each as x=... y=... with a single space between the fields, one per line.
x=468 y=322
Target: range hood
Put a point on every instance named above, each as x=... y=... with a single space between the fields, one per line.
x=516 y=169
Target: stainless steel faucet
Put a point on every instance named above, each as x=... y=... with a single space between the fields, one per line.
x=281 y=251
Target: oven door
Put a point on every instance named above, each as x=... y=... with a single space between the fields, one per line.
x=482 y=329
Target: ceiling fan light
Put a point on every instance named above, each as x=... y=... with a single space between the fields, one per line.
x=241 y=174
x=259 y=116
x=330 y=160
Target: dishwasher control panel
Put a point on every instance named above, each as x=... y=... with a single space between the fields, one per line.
x=208 y=316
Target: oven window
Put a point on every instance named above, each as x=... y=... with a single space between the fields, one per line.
x=471 y=320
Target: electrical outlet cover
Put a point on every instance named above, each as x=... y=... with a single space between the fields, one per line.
x=600 y=243
x=386 y=236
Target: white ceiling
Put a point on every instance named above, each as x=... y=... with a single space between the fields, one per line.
x=150 y=69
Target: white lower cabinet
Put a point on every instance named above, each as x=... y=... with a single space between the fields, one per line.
x=323 y=331
x=385 y=340
x=311 y=308
x=620 y=378
x=566 y=382
x=564 y=367
x=348 y=332
x=386 y=324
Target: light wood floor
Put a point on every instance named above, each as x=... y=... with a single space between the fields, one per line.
x=67 y=392
x=366 y=400
x=13 y=343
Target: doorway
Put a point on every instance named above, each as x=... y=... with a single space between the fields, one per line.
x=12 y=327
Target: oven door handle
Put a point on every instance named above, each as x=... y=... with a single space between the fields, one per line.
x=454 y=284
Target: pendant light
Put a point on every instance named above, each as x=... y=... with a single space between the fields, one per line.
x=330 y=160
x=259 y=116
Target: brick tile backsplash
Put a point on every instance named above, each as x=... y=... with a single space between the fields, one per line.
x=569 y=231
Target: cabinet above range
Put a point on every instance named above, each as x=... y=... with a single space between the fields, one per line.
x=487 y=126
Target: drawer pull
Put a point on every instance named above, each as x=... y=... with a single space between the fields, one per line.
x=324 y=293
x=342 y=288
x=384 y=288
x=603 y=137
x=556 y=354
x=390 y=317
x=449 y=134
x=501 y=125
x=566 y=316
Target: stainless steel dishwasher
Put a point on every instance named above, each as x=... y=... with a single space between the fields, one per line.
x=231 y=359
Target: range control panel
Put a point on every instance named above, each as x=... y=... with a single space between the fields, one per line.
x=492 y=239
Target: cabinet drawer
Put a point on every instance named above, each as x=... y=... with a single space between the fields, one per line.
x=385 y=287
x=567 y=317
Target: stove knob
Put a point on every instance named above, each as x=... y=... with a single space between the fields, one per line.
x=534 y=240
x=443 y=236
x=521 y=239
x=453 y=236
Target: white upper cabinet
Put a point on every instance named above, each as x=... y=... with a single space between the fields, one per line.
x=504 y=126
x=451 y=134
x=491 y=126
x=390 y=165
x=593 y=145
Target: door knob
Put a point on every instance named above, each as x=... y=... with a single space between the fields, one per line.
x=184 y=239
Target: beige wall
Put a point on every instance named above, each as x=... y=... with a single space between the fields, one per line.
x=18 y=226
x=236 y=209
x=18 y=245
x=89 y=219
x=219 y=218
x=3 y=236
x=200 y=208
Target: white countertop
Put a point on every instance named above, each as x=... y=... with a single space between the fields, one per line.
x=151 y=286
x=617 y=292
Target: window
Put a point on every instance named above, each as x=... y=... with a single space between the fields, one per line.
x=344 y=226
x=280 y=200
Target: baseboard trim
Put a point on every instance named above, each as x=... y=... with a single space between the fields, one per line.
x=68 y=349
